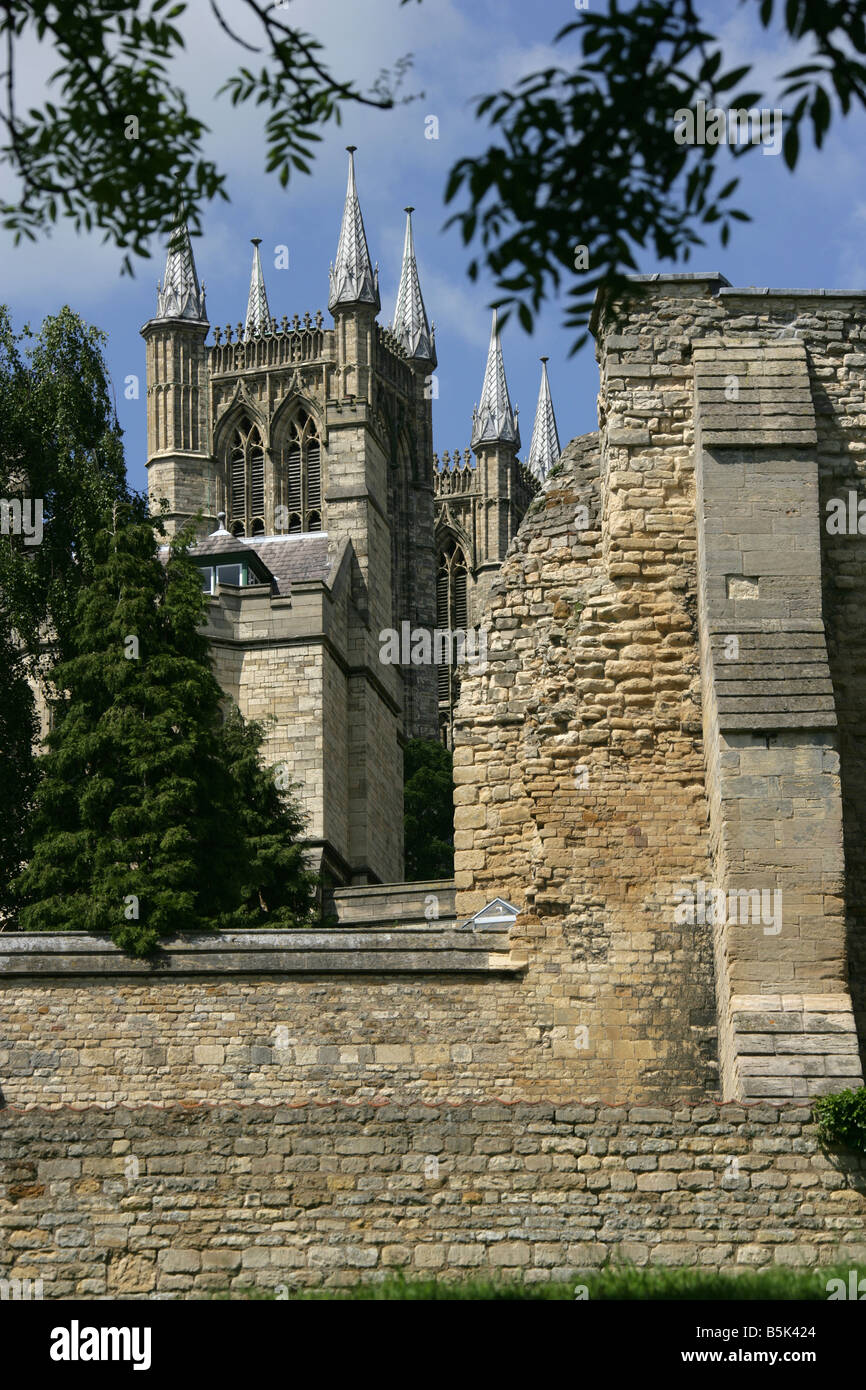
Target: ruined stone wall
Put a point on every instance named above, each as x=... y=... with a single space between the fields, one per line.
x=580 y=780
x=795 y=432
x=585 y=785
x=133 y=1202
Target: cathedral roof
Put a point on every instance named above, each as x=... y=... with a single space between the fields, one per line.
x=494 y=421
x=544 y=450
x=410 y=317
x=353 y=279
x=180 y=296
x=258 y=319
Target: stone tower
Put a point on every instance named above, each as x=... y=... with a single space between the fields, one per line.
x=179 y=461
x=313 y=449
x=479 y=507
x=495 y=443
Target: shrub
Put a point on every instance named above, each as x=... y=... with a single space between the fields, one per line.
x=842 y=1119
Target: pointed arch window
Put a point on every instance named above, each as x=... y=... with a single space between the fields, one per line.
x=246 y=480
x=301 y=475
x=452 y=614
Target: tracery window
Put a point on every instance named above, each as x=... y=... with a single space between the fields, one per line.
x=451 y=611
x=246 y=480
x=301 y=480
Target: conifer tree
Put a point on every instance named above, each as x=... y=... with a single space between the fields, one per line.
x=276 y=888
x=140 y=827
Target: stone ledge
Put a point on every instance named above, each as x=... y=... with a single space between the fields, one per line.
x=340 y=950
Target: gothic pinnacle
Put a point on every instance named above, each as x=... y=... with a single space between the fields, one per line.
x=410 y=318
x=180 y=296
x=258 y=320
x=353 y=279
x=494 y=421
x=544 y=448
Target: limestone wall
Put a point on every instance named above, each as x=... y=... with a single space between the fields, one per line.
x=314 y=1035
x=594 y=774
x=131 y=1202
x=580 y=778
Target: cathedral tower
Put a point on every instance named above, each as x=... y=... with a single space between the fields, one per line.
x=179 y=465
x=411 y=486
x=495 y=443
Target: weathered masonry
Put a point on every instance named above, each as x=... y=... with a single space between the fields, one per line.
x=662 y=765
x=134 y=1202
x=674 y=705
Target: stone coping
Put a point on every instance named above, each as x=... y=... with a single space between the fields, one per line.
x=568 y=1111
x=439 y=949
x=685 y=280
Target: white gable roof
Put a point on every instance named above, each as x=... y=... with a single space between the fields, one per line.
x=497 y=913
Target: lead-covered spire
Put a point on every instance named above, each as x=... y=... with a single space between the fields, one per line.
x=180 y=296
x=544 y=450
x=353 y=279
x=494 y=421
x=410 y=317
x=258 y=321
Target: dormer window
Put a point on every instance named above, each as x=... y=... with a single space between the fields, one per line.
x=234 y=573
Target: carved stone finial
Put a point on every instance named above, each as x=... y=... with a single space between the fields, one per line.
x=258 y=319
x=544 y=449
x=353 y=280
x=410 y=326
x=180 y=296
x=495 y=421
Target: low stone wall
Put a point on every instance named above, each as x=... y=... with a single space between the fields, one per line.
x=179 y=1200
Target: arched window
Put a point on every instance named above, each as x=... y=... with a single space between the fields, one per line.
x=301 y=475
x=246 y=480
x=451 y=613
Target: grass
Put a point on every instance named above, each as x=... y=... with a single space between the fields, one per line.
x=623 y=1282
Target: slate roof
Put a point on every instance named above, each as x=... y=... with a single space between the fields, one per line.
x=295 y=559
x=286 y=559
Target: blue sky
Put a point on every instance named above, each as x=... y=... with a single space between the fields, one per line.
x=808 y=229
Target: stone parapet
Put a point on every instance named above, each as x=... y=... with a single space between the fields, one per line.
x=361 y=949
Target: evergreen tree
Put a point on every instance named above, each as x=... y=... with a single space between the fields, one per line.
x=428 y=806
x=276 y=889
x=140 y=827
